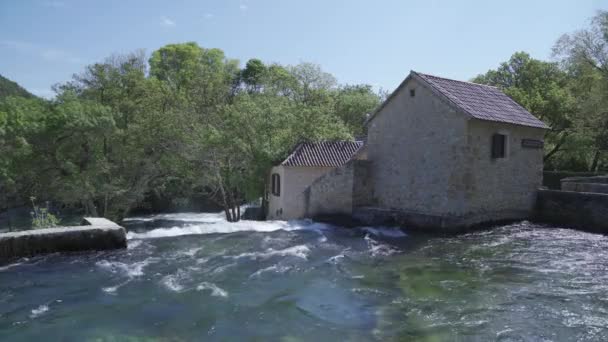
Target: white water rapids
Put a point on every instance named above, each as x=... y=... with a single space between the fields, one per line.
x=193 y=276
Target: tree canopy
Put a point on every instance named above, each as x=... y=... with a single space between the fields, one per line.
x=570 y=94
x=186 y=122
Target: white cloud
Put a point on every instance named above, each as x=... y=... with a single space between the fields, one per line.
x=17 y=45
x=55 y=4
x=49 y=54
x=208 y=15
x=54 y=55
x=166 y=22
x=243 y=7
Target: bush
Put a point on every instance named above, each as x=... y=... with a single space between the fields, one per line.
x=41 y=216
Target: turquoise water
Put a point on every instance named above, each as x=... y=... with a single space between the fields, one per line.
x=193 y=277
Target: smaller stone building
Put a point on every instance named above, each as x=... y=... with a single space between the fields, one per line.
x=307 y=163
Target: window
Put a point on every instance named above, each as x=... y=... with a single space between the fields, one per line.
x=412 y=92
x=499 y=145
x=275 y=184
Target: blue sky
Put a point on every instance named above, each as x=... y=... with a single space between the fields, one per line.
x=43 y=42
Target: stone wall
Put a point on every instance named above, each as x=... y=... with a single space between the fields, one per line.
x=337 y=192
x=362 y=184
x=417 y=145
x=502 y=185
x=582 y=210
x=332 y=193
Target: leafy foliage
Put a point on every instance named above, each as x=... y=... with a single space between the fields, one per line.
x=42 y=217
x=571 y=95
x=186 y=122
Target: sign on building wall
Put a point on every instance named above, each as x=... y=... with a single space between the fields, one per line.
x=532 y=143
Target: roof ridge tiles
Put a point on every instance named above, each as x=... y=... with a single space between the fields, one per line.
x=453 y=80
x=323 y=153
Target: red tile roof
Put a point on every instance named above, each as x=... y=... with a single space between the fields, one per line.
x=482 y=101
x=325 y=153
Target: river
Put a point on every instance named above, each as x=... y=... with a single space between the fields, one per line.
x=193 y=277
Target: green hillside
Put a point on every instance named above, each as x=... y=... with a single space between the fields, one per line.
x=10 y=88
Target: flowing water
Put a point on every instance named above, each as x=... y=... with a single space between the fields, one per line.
x=195 y=277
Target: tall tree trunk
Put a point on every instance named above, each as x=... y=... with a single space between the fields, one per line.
x=556 y=148
x=225 y=201
x=226 y=205
x=233 y=207
x=105 y=206
x=234 y=218
x=91 y=209
x=595 y=161
x=264 y=204
x=227 y=213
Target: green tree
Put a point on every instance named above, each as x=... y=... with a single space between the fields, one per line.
x=543 y=89
x=254 y=74
x=21 y=122
x=584 y=55
x=353 y=104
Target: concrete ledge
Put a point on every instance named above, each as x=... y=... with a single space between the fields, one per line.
x=597 y=184
x=582 y=210
x=594 y=179
x=99 y=234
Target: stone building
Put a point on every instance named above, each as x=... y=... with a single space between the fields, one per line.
x=440 y=154
x=307 y=163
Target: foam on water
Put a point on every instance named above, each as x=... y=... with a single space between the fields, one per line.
x=172 y=283
x=377 y=248
x=222 y=268
x=185 y=217
x=130 y=270
x=39 y=311
x=190 y=252
x=299 y=251
x=8 y=267
x=113 y=289
x=216 y=291
x=336 y=258
x=274 y=268
x=221 y=226
x=134 y=244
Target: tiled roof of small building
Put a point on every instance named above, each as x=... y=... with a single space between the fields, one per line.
x=325 y=153
x=482 y=101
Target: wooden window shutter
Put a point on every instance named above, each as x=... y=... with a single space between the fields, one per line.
x=498 y=145
x=276 y=184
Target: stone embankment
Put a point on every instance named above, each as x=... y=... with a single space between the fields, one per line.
x=95 y=234
x=581 y=203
